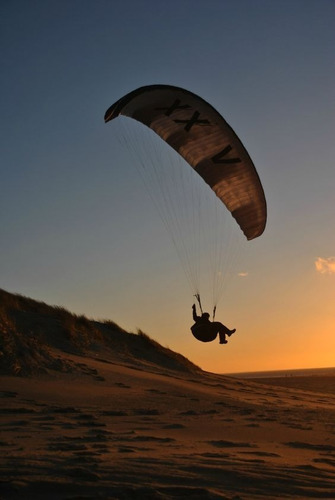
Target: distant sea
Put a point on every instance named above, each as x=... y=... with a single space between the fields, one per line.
x=306 y=372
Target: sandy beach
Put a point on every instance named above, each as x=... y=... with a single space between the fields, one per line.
x=90 y=411
x=116 y=431
x=167 y=249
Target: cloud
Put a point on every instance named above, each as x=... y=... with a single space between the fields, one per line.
x=242 y=274
x=325 y=265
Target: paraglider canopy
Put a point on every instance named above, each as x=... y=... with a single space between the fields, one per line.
x=205 y=140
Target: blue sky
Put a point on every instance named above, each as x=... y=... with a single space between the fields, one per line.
x=77 y=228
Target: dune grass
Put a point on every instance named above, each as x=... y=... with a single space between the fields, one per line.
x=31 y=330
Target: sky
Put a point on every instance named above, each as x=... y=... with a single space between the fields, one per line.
x=77 y=227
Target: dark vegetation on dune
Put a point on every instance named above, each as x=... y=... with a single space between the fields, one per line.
x=34 y=337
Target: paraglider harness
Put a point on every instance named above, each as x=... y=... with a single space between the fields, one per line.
x=197 y=296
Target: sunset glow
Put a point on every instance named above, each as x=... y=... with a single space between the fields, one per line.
x=78 y=228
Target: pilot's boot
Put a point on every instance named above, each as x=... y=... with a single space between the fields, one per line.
x=231 y=332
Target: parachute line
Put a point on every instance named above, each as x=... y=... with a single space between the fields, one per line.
x=196 y=156
x=200 y=228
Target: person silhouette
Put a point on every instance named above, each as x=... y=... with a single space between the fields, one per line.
x=206 y=330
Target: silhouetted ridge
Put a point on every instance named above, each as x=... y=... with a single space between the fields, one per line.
x=32 y=333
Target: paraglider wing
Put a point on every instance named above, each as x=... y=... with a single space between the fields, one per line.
x=200 y=135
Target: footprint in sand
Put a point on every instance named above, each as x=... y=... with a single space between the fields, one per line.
x=114 y=413
x=8 y=394
x=155 y=391
x=68 y=410
x=309 y=446
x=66 y=446
x=126 y=449
x=83 y=474
x=231 y=444
x=188 y=413
x=174 y=426
x=146 y=411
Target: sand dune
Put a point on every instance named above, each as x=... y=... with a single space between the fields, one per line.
x=120 y=432
x=143 y=423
